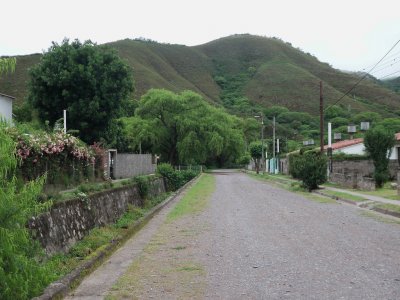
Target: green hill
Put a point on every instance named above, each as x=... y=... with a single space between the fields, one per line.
x=260 y=71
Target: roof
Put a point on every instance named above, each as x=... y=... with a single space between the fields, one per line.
x=4 y=95
x=345 y=143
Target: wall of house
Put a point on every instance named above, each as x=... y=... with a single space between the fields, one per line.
x=353 y=149
x=6 y=108
x=69 y=221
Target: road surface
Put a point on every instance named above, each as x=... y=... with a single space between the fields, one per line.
x=258 y=241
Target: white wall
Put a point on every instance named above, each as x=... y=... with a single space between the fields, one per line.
x=353 y=149
x=6 y=108
x=360 y=149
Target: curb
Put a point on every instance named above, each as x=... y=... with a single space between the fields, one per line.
x=386 y=212
x=60 y=288
x=336 y=198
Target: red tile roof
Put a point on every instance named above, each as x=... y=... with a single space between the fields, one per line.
x=345 y=143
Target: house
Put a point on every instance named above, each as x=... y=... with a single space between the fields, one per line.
x=356 y=146
x=6 y=103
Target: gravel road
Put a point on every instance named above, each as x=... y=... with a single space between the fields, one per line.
x=257 y=241
x=268 y=243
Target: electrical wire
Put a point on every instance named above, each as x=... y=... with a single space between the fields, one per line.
x=363 y=77
x=389 y=75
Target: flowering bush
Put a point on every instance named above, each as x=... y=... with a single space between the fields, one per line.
x=57 y=154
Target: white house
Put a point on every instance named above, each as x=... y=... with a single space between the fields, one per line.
x=6 y=103
x=356 y=146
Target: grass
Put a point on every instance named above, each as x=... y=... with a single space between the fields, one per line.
x=291 y=185
x=389 y=207
x=385 y=192
x=344 y=195
x=195 y=199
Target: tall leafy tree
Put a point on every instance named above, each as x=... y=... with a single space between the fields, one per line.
x=90 y=81
x=184 y=128
x=378 y=143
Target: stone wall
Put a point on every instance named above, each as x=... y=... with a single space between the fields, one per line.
x=130 y=165
x=69 y=221
x=353 y=181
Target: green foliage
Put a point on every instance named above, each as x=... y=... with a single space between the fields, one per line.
x=344 y=156
x=174 y=178
x=310 y=167
x=391 y=124
x=89 y=81
x=378 y=143
x=21 y=276
x=335 y=111
x=367 y=116
x=142 y=182
x=275 y=111
x=244 y=159
x=7 y=64
x=256 y=149
x=185 y=129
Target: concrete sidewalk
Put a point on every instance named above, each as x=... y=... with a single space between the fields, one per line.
x=367 y=197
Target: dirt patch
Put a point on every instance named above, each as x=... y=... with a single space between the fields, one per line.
x=169 y=266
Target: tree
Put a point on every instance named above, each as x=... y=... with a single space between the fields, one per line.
x=378 y=143
x=7 y=64
x=90 y=81
x=185 y=129
x=255 y=149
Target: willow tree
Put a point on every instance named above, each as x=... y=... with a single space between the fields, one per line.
x=185 y=129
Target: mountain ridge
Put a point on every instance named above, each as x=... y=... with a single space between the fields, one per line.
x=268 y=71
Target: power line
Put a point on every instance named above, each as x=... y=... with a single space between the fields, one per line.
x=388 y=58
x=386 y=66
x=389 y=75
x=362 y=78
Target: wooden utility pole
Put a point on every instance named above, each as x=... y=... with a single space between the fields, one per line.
x=321 y=117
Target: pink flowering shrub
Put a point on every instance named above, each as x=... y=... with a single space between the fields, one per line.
x=57 y=154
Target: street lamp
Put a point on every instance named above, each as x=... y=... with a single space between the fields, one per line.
x=262 y=140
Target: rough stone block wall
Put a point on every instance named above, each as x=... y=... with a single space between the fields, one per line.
x=130 y=165
x=69 y=221
x=362 y=167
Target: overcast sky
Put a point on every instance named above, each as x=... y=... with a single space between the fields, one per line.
x=348 y=34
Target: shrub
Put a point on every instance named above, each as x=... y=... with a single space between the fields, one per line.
x=310 y=167
x=378 y=143
x=175 y=179
x=142 y=183
x=21 y=275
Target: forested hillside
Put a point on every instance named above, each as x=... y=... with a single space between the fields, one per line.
x=241 y=72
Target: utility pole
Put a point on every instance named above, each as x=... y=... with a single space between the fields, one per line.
x=65 y=121
x=273 y=145
x=321 y=117
x=262 y=143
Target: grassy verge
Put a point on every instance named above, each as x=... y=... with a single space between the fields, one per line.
x=91 y=188
x=195 y=199
x=389 y=207
x=345 y=196
x=98 y=239
x=168 y=267
x=291 y=185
